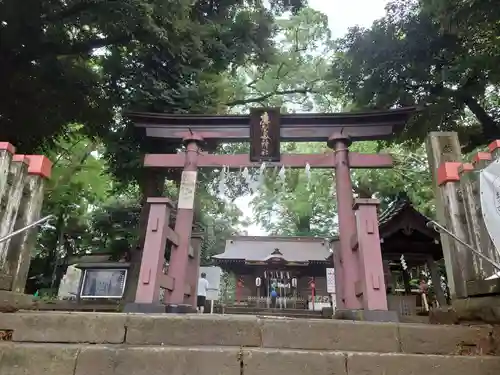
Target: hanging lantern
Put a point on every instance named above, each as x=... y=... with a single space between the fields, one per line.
x=294 y=282
x=257 y=281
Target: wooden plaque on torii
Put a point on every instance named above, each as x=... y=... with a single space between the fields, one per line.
x=265 y=135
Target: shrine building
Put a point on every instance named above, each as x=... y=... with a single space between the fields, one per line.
x=292 y=264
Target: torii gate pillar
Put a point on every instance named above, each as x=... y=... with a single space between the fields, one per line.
x=345 y=262
x=179 y=257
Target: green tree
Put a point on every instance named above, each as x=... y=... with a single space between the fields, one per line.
x=299 y=204
x=307 y=205
x=409 y=177
x=431 y=54
x=82 y=61
x=78 y=183
x=295 y=78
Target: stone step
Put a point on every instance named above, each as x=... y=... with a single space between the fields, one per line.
x=293 y=313
x=277 y=314
x=268 y=310
x=244 y=331
x=72 y=359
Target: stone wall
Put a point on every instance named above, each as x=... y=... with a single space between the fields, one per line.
x=120 y=344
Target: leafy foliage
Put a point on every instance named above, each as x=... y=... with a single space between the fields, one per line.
x=80 y=61
x=77 y=185
x=294 y=79
x=431 y=54
x=306 y=206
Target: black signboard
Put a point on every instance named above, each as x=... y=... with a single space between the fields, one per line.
x=265 y=134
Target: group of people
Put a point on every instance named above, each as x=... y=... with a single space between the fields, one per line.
x=203 y=287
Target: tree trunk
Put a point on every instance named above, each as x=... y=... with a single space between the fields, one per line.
x=304 y=226
x=59 y=249
x=490 y=128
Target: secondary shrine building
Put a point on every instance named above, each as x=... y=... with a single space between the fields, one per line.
x=291 y=265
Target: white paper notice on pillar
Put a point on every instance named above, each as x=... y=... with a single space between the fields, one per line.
x=330 y=280
x=187 y=190
x=489 y=184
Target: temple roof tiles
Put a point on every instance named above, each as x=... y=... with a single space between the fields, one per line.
x=262 y=249
x=402 y=214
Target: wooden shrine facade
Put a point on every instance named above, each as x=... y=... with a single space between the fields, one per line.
x=265 y=128
x=290 y=262
x=403 y=232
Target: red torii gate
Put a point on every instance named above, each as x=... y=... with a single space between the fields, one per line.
x=359 y=273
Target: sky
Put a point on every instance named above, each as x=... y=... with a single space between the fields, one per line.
x=342 y=14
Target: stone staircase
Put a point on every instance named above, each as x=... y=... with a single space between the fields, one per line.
x=263 y=311
x=53 y=343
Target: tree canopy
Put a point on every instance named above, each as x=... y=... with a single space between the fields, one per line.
x=438 y=55
x=83 y=61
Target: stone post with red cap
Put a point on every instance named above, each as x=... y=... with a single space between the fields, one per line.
x=6 y=153
x=21 y=197
x=459 y=210
x=20 y=248
x=444 y=156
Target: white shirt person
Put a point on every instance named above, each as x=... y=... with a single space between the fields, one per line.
x=203 y=286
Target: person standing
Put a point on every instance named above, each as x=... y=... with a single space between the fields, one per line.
x=274 y=297
x=202 y=293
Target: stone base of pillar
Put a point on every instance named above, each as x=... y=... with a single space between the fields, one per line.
x=368 y=315
x=5 y=282
x=158 y=308
x=480 y=309
x=12 y=301
x=480 y=288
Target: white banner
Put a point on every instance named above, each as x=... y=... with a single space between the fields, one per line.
x=489 y=184
x=330 y=280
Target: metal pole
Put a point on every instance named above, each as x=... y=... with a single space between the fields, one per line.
x=439 y=228
x=19 y=231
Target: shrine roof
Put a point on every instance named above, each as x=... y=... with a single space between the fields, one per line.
x=401 y=214
x=359 y=126
x=261 y=249
x=403 y=230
